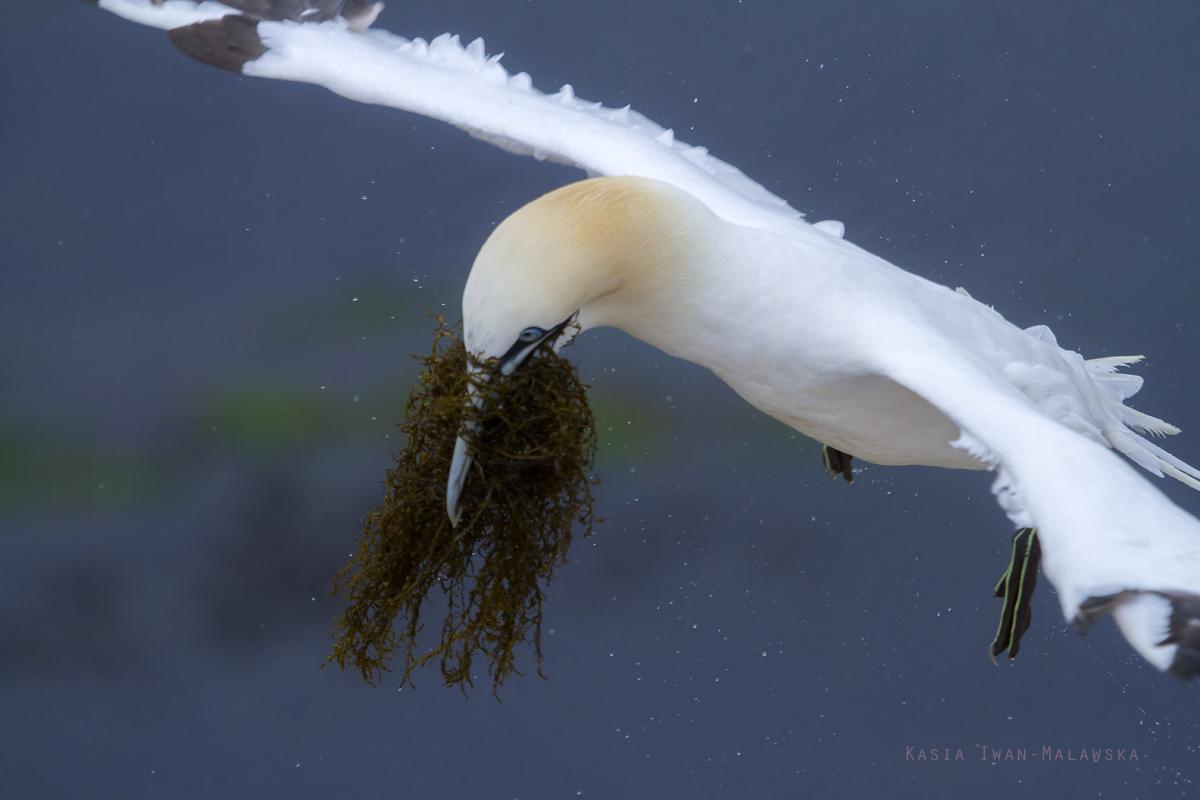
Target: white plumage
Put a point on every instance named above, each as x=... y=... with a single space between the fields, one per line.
x=687 y=253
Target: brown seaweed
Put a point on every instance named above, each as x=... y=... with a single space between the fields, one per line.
x=533 y=444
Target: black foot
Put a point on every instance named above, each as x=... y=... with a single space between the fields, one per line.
x=838 y=463
x=1016 y=587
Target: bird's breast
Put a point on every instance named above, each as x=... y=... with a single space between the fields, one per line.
x=870 y=417
x=782 y=323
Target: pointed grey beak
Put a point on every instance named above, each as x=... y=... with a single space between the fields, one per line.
x=460 y=464
x=458 y=477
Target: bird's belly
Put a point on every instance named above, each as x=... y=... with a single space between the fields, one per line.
x=869 y=417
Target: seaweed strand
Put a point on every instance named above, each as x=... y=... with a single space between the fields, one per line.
x=533 y=442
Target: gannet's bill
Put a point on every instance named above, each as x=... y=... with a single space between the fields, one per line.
x=686 y=253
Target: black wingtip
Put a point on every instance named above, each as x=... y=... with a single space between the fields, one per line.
x=1183 y=627
x=361 y=14
x=1094 y=608
x=1187 y=663
x=1184 y=632
x=228 y=43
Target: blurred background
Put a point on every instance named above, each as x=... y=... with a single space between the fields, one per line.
x=209 y=290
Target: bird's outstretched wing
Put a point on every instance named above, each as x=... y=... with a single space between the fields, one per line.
x=1111 y=542
x=459 y=85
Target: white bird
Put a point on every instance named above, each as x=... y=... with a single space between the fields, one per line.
x=686 y=253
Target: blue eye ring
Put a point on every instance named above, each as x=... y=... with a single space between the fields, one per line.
x=531 y=335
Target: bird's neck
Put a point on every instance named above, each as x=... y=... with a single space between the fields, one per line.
x=652 y=251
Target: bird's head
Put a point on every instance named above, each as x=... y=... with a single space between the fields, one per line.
x=597 y=252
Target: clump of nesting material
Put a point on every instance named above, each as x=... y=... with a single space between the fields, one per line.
x=533 y=442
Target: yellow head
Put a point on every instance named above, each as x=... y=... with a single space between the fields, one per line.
x=597 y=252
x=605 y=251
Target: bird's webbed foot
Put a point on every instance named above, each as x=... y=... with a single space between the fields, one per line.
x=838 y=463
x=1016 y=587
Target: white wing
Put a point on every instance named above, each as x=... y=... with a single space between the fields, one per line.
x=466 y=88
x=1111 y=542
x=169 y=14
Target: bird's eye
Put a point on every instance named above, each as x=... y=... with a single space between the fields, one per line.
x=531 y=335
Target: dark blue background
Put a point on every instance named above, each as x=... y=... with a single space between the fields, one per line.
x=208 y=287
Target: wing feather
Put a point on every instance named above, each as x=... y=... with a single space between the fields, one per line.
x=465 y=87
x=168 y=14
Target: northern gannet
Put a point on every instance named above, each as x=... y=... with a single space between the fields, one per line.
x=685 y=252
